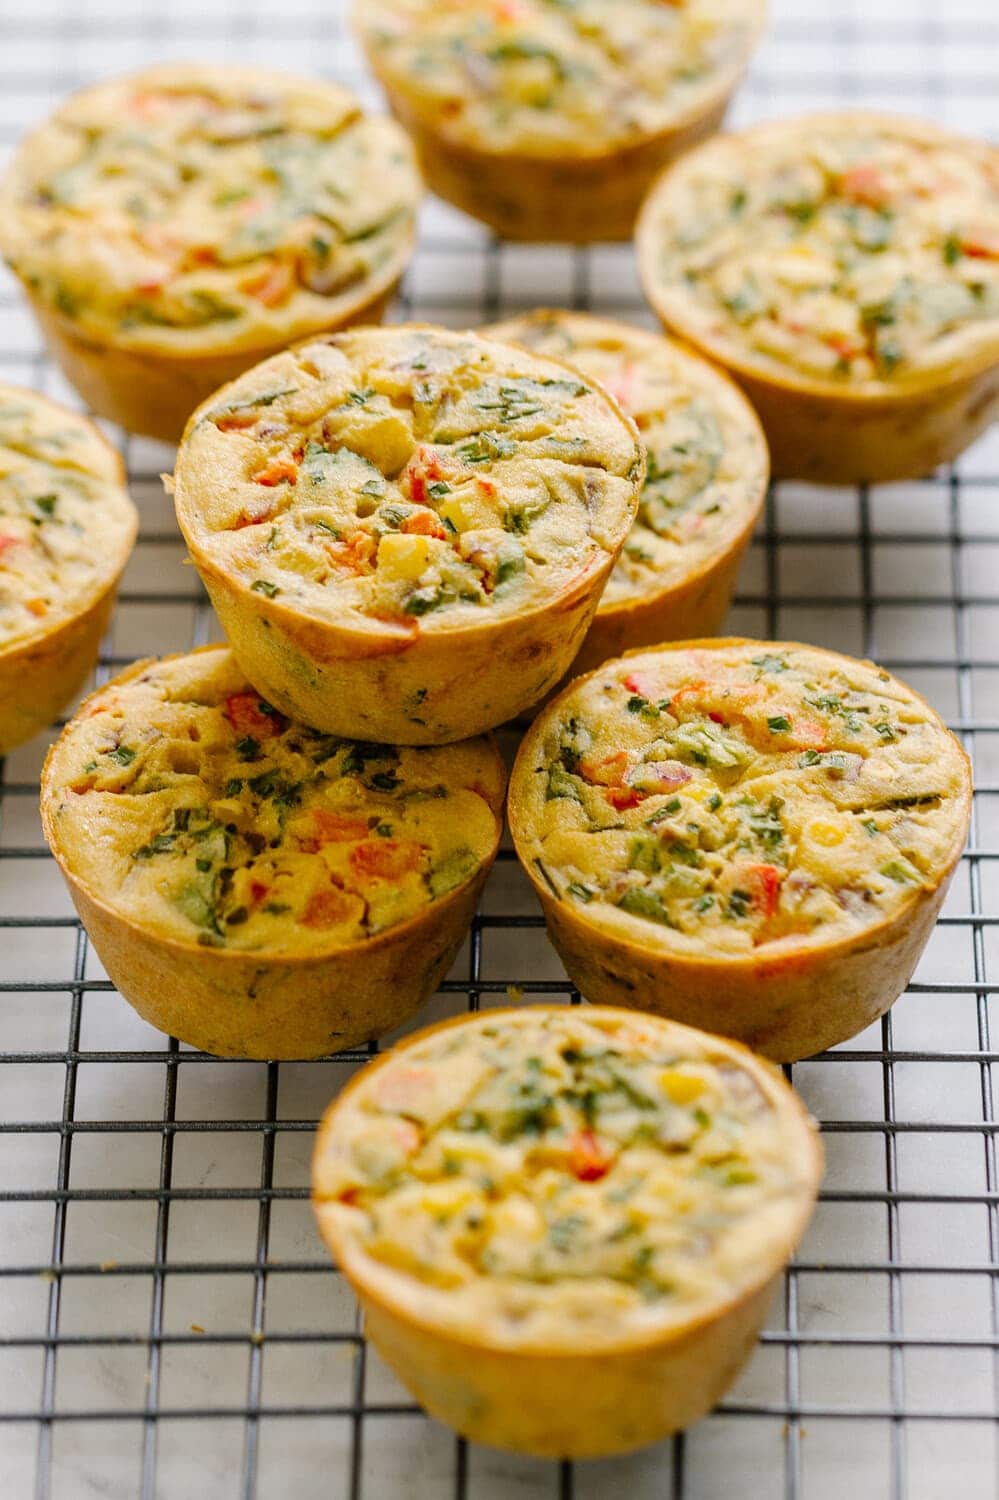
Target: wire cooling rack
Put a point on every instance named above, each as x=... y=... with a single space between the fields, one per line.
x=170 y=1326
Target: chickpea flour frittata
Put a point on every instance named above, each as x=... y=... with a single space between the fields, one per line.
x=705 y=480
x=852 y=255
x=406 y=530
x=185 y=808
x=744 y=812
x=562 y=1182
x=599 y=92
x=188 y=211
x=66 y=529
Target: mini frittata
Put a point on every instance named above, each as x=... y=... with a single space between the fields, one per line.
x=548 y=119
x=706 y=477
x=67 y=527
x=256 y=886
x=754 y=836
x=846 y=268
x=583 y=1205
x=405 y=531
x=183 y=221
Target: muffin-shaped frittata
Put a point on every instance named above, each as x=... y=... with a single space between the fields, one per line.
x=253 y=886
x=67 y=527
x=845 y=268
x=405 y=531
x=548 y=120
x=747 y=836
x=565 y=1224
x=706 y=477
x=174 y=226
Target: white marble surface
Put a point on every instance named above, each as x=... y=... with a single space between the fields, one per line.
x=938 y=57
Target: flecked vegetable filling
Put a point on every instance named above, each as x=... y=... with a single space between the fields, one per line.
x=840 y=249
x=706 y=457
x=64 y=516
x=564 y=1166
x=183 y=201
x=540 y=75
x=741 y=796
x=410 y=478
x=188 y=801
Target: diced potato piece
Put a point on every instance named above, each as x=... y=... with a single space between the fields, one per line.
x=403 y=557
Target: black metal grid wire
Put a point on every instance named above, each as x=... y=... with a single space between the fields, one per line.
x=878 y=1373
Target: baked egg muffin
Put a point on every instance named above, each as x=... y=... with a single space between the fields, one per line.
x=565 y=1225
x=67 y=527
x=175 y=226
x=706 y=478
x=254 y=886
x=546 y=120
x=405 y=531
x=751 y=836
x=845 y=269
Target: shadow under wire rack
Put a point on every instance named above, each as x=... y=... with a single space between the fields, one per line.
x=170 y=1326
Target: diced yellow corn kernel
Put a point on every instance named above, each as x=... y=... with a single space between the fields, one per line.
x=402 y=556
x=681 y=1088
x=828 y=835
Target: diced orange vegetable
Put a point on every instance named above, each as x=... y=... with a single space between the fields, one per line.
x=386 y=859
x=7 y=542
x=847 y=346
x=37 y=607
x=807 y=734
x=610 y=771
x=865 y=184
x=689 y=691
x=271 y=287
x=247 y=717
x=333 y=828
x=405 y=1088
x=355 y=553
x=588 y=1160
x=424 y=523
x=235 y=421
x=329 y=907
x=278 y=471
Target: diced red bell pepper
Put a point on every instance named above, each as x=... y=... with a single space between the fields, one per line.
x=765 y=884
x=247 y=717
x=423 y=469
x=588 y=1160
